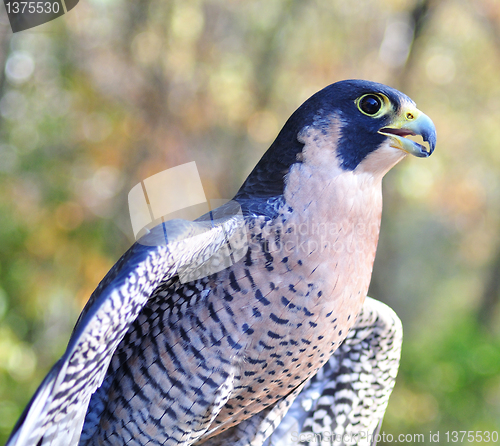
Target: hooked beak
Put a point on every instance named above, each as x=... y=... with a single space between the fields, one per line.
x=411 y=122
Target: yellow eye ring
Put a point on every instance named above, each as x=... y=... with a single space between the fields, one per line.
x=371 y=104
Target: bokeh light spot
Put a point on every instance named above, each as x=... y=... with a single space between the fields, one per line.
x=19 y=67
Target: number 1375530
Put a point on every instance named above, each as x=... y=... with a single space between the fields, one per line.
x=471 y=436
x=38 y=7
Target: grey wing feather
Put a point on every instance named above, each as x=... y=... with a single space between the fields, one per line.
x=177 y=248
x=345 y=402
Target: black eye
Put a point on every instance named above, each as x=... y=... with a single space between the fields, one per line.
x=370 y=104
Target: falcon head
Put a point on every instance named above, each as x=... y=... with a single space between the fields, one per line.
x=352 y=125
x=369 y=116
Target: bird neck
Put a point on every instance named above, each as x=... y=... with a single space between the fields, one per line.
x=345 y=207
x=334 y=205
x=331 y=230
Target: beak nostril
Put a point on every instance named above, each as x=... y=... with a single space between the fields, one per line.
x=410 y=116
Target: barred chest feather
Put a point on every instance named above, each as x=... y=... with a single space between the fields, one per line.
x=298 y=291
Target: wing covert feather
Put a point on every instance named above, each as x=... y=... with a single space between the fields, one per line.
x=177 y=248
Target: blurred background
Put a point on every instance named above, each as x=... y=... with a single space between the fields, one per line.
x=116 y=91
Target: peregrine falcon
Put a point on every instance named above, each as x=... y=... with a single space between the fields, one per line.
x=269 y=348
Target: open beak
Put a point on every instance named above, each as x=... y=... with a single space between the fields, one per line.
x=411 y=122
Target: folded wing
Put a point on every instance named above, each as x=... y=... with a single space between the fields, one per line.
x=175 y=250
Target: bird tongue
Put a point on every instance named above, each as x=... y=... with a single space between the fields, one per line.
x=398 y=132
